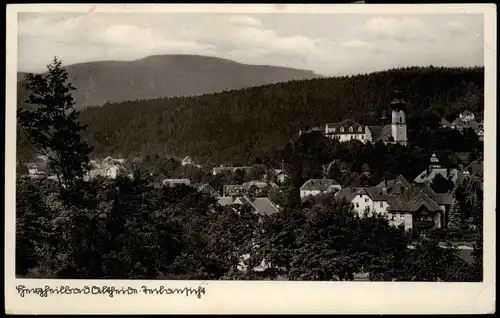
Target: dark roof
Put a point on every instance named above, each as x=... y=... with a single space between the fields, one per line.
x=451 y=174
x=444 y=122
x=382 y=133
x=395 y=186
x=416 y=196
x=256 y=183
x=475 y=167
x=365 y=167
x=264 y=206
x=346 y=124
x=465 y=124
x=463 y=157
x=319 y=184
x=444 y=198
x=348 y=193
x=337 y=163
x=233 y=187
x=374 y=193
x=208 y=189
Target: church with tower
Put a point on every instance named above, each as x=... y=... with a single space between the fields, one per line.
x=395 y=132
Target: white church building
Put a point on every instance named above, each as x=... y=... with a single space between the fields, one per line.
x=395 y=132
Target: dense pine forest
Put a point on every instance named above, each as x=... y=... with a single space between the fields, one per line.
x=238 y=126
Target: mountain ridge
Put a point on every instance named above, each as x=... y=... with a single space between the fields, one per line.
x=167 y=75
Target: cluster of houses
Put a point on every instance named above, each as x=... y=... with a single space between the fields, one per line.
x=409 y=205
x=465 y=120
x=405 y=204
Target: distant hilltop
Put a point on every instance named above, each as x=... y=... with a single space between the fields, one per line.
x=160 y=76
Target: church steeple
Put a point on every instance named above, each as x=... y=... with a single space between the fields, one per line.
x=434 y=162
x=398 y=125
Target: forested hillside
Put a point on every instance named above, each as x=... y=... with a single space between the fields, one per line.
x=238 y=126
x=161 y=76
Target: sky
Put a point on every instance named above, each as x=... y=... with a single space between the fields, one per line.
x=328 y=44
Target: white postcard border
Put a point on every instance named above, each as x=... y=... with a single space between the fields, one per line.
x=262 y=296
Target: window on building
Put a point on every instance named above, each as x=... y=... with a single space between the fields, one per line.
x=400 y=119
x=366 y=200
x=357 y=204
x=362 y=137
x=360 y=129
x=401 y=215
x=352 y=137
x=381 y=204
x=350 y=129
x=393 y=217
x=341 y=129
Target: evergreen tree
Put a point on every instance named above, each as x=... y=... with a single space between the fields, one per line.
x=51 y=123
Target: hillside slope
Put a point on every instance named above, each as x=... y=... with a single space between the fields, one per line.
x=237 y=126
x=168 y=76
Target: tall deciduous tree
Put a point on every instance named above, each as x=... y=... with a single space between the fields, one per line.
x=51 y=123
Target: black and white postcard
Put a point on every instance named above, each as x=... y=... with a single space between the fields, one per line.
x=241 y=158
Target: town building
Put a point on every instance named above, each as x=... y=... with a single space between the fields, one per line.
x=187 y=161
x=475 y=168
x=108 y=168
x=313 y=187
x=395 y=186
x=233 y=190
x=434 y=168
x=465 y=120
x=260 y=206
x=259 y=188
x=222 y=169
x=280 y=176
x=207 y=189
x=420 y=208
x=176 y=182
x=412 y=206
x=335 y=165
x=395 y=132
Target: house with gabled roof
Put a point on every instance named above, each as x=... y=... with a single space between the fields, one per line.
x=207 y=189
x=474 y=168
x=261 y=206
x=222 y=169
x=261 y=188
x=176 y=182
x=394 y=186
x=233 y=190
x=434 y=168
x=280 y=176
x=402 y=203
x=336 y=164
x=367 y=199
x=314 y=187
x=445 y=123
x=465 y=120
x=463 y=158
x=420 y=208
x=187 y=161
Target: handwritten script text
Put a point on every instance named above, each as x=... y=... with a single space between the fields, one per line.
x=109 y=291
